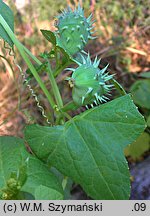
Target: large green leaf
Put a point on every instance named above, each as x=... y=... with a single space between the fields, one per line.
x=8 y=16
x=89 y=148
x=39 y=176
x=46 y=193
x=23 y=172
x=141 y=93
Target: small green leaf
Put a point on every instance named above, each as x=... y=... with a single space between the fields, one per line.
x=21 y=172
x=148 y=121
x=11 y=165
x=145 y=75
x=50 y=36
x=11 y=159
x=137 y=148
x=38 y=174
x=141 y=93
x=89 y=148
x=8 y=16
x=118 y=87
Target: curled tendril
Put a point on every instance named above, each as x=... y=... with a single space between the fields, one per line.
x=33 y=93
x=12 y=54
x=11 y=50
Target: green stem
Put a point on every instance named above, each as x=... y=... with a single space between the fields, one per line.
x=69 y=106
x=64 y=182
x=56 y=57
x=26 y=59
x=56 y=73
x=55 y=87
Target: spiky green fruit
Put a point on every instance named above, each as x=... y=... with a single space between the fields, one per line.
x=74 y=30
x=90 y=84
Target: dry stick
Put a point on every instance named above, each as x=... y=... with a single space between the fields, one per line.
x=101 y=52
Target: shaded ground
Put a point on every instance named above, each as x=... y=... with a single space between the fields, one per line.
x=141 y=183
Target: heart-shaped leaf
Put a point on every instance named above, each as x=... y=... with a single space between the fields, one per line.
x=89 y=148
x=21 y=172
x=8 y=16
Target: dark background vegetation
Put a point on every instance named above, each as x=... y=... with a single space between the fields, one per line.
x=123 y=30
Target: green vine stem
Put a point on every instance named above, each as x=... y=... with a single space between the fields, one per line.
x=60 y=69
x=27 y=60
x=70 y=106
x=55 y=87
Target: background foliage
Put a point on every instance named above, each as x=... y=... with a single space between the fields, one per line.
x=123 y=29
